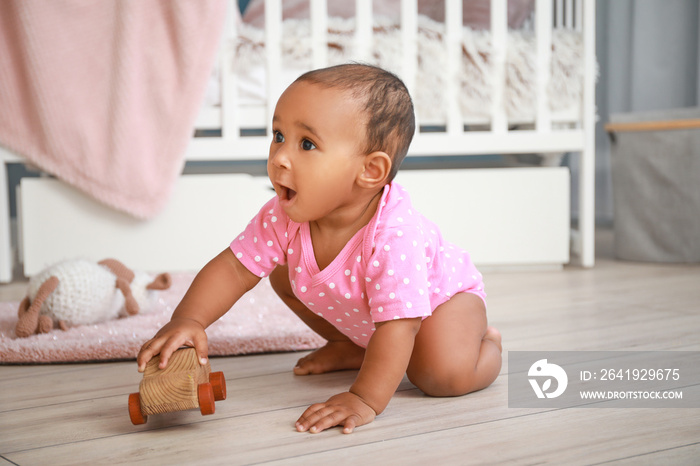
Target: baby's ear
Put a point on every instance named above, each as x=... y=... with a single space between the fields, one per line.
x=375 y=171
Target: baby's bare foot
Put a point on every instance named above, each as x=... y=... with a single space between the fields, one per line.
x=334 y=356
x=492 y=334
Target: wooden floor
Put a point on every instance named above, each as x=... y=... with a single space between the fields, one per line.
x=71 y=414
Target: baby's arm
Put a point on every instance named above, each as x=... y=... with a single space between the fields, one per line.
x=386 y=360
x=214 y=290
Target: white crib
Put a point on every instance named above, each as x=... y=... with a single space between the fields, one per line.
x=240 y=132
x=571 y=130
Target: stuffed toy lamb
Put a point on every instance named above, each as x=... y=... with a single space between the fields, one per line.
x=81 y=292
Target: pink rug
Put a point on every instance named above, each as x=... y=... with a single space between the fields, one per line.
x=258 y=323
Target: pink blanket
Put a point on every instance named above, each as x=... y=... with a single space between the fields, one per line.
x=104 y=94
x=259 y=322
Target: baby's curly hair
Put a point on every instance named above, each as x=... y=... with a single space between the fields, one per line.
x=391 y=122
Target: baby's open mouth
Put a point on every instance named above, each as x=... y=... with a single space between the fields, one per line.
x=288 y=193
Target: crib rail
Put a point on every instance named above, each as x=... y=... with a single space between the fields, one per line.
x=548 y=14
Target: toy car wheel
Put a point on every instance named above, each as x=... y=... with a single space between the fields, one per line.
x=137 y=417
x=218 y=383
x=205 y=395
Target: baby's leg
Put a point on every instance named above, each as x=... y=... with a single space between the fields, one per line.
x=338 y=354
x=455 y=352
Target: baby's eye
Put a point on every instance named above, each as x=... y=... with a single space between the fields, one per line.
x=277 y=137
x=307 y=145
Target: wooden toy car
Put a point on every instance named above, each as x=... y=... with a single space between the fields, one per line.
x=184 y=384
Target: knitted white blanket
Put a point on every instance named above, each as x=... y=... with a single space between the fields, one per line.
x=430 y=100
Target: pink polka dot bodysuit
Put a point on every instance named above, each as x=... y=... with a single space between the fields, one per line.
x=397 y=266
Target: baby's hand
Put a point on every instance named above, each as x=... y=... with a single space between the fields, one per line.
x=346 y=408
x=175 y=334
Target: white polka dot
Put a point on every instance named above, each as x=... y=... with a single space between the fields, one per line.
x=322 y=294
x=405 y=281
x=386 y=247
x=399 y=219
x=399 y=233
x=355 y=310
x=375 y=263
x=417 y=266
x=275 y=259
x=257 y=258
x=353 y=279
x=415 y=243
x=320 y=314
x=242 y=237
x=270 y=243
x=358 y=259
x=239 y=255
x=290 y=251
x=347 y=272
x=420 y=291
x=331 y=285
x=262 y=274
x=298 y=269
x=271 y=211
x=396 y=317
x=459 y=284
x=303 y=289
x=338 y=320
x=390 y=272
x=392 y=295
x=264 y=224
x=437 y=290
x=255 y=239
x=348 y=296
x=378 y=287
x=273 y=219
x=380 y=309
x=367 y=279
x=347 y=314
x=409 y=305
x=311 y=304
x=403 y=257
x=330 y=308
x=365 y=322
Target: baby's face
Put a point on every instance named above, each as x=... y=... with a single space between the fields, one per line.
x=315 y=150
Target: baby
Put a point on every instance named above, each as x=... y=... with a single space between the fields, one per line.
x=345 y=250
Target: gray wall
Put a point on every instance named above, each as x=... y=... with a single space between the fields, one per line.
x=648 y=56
